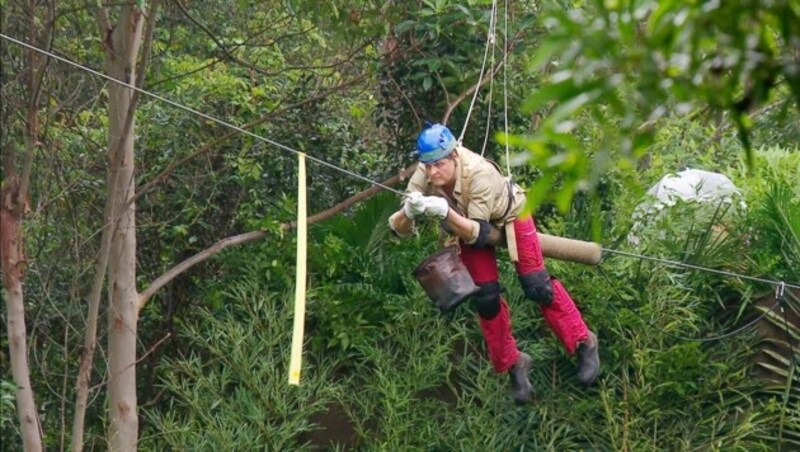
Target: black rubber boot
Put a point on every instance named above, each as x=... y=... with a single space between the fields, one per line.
x=588 y=360
x=521 y=389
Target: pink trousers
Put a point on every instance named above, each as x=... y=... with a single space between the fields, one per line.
x=562 y=316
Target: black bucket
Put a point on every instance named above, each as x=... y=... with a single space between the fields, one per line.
x=445 y=279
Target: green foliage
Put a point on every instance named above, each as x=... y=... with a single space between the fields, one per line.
x=230 y=388
x=622 y=66
x=780 y=221
x=408 y=378
x=367 y=278
x=378 y=355
x=9 y=421
x=776 y=213
x=440 y=47
x=776 y=228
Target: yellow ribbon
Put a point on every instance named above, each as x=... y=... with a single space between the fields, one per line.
x=300 y=283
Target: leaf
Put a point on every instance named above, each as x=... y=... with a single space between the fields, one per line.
x=545 y=53
x=564 y=195
x=538 y=193
x=549 y=93
x=403 y=27
x=641 y=142
x=570 y=107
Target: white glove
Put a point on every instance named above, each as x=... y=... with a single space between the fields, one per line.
x=413 y=205
x=436 y=206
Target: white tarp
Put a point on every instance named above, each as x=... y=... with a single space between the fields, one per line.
x=690 y=185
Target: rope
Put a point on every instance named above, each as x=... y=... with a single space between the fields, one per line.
x=491 y=87
x=701 y=268
x=198 y=113
x=345 y=171
x=489 y=100
x=778 y=302
x=505 y=90
x=492 y=34
x=489 y=112
x=489 y=42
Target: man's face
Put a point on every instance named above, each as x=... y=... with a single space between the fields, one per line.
x=442 y=172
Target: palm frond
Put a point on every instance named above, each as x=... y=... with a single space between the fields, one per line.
x=779 y=217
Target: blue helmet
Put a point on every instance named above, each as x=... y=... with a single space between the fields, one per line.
x=435 y=142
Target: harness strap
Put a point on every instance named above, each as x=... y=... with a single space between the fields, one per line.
x=510 y=236
x=510 y=197
x=466 y=180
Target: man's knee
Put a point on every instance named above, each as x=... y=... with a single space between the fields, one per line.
x=487 y=299
x=537 y=287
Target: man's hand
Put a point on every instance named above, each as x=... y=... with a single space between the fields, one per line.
x=435 y=206
x=413 y=205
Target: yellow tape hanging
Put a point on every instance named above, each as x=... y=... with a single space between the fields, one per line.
x=300 y=283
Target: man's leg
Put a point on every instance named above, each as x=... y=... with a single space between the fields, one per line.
x=495 y=321
x=555 y=303
x=492 y=309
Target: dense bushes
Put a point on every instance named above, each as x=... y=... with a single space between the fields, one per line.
x=401 y=376
x=383 y=370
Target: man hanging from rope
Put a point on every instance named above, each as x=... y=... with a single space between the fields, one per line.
x=478 y=206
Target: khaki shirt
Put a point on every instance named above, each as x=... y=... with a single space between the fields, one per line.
x=480 y=191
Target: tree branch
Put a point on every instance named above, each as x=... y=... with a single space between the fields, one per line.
x=206 y=148
x=408 y=101
x=254 y=67
x=218 y=59
x=36 y=82
x=460 y=98
x=252 y=236
x=104 y=25
x=140 y=359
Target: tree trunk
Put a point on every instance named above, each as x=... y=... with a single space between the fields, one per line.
x=123 y=48
x=13 y=208
x=13 y=263
x=90 y=334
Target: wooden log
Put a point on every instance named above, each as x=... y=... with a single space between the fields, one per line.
x=570 y=250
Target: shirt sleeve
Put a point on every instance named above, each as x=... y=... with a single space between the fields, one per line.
x=473 y=235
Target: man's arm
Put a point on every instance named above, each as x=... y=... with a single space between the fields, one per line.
x=462 y=227
x=402 y=221
x=400 y=224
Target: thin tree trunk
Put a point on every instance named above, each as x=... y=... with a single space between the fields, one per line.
x=110 y=225
x=12 y=259
x=13 y=207
x=90 y=334
x=123 y=299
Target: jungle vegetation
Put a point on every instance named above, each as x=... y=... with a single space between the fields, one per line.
x=148 y=253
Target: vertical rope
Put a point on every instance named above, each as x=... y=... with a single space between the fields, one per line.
x=300 y=282
x=489 y=41
x=505 y=87
x=490 y=98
